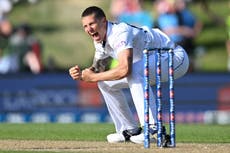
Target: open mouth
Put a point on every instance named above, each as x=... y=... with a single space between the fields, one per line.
x=94 y=34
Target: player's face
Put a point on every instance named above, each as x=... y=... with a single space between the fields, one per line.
x=96 y=28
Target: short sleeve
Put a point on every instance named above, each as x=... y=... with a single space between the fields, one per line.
x=123 y=41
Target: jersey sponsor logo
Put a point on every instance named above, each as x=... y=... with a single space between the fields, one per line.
x=120 y=44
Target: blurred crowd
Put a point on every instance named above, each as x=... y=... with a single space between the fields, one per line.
x=228 y=38
x=130 y=11
x=20 y=50
x=171 y=16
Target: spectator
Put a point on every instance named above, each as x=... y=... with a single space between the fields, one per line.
x=8 y=58
x=177 y=21
x=167 y=19
x=117 y=7
x=5 y=7
x=28 y=47
x=19 y=50
x=130 y=11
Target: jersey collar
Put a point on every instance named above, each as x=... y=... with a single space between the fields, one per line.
x=108 y=31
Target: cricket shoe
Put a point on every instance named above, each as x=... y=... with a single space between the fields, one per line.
x=124 y=136
x=139 y=139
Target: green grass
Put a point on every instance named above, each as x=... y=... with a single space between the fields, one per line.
x=189 y=133
x=85 y=132
x=185 y=133
x=199 y=133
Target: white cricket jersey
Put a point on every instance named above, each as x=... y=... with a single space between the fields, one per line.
x=121 y=36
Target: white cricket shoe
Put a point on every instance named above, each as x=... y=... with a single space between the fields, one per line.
x=115 y=138
x=139 y=139
x=124 y=136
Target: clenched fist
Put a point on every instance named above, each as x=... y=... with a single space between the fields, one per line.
x=87 y=74
x=75 y=72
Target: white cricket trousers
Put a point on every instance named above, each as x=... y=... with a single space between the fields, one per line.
x=116 y=101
